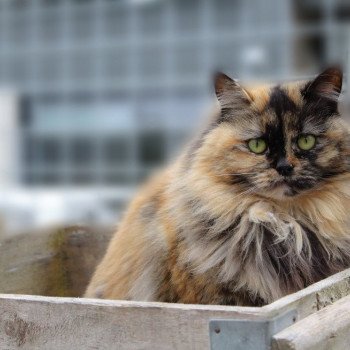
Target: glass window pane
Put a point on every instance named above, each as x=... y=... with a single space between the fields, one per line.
x=82 y=151
x=152 y=18
x=116 y=64
x=82 y=66
x=117 y=150
x=227 y=14
x=151 y=61
x=51 y=25
x=187 y=15
x=42 y=151
x=118 y=178
x=116 y=21
x=83 y=177
x=188 y=60
x=82 y=23
x=50 y=68
x=151 y=148
x=49 y=178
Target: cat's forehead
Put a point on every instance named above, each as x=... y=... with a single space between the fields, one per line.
x=276 y=109
x=265 y=96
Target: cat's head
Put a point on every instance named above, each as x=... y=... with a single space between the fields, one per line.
x=277 y=141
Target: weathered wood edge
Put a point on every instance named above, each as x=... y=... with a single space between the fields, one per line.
x=301 y=304
x=34 y=322
x=334 y=287
x=326 y=329
x=313 y=298
x=37 y=322
x=130 y=304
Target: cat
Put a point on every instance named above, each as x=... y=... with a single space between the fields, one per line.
x=254 y=209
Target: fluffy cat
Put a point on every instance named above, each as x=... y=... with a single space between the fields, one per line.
x=256 y=208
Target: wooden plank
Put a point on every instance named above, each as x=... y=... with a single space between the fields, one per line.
x=56 y=262
x=32 y=322
x=64 y=323
x=313 y=298
x=326 y=329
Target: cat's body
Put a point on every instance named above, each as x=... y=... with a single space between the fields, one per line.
x=225 y=225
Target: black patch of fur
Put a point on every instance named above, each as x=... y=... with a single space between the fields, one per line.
x=317 y=106
x=229 y=232
x=280 y=104
x=242 y=180
x=292 y=274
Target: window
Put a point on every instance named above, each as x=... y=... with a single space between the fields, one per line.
x=151 y=148
x=18 y=69
x=151 y=62
x=19 y=30
x=116 y=150
x=82 y=66
x=151 y=18
x=187 y=16
x=78 y=142
x=116 y=64
x=227 y=15
x=82 y=151
x=227 y=55
x=84 y=177
x=50 y=68
x=188 y=60
x=97 y=141
x=51 y=25
x=50 y=3
x=82 y=23
x=116 y=21
x=42 y=151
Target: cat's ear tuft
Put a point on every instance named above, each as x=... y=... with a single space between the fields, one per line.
x=229 y=93
x=328 y=84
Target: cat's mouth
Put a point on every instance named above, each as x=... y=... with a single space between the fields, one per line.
x=287 y=187
x=282 y=182
x=281 y=189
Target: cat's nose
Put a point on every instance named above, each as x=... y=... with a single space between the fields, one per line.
x=284 y=168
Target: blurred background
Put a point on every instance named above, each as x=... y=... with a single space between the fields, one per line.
x=96 y=94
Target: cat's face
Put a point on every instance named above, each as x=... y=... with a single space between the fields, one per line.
x=278 y=141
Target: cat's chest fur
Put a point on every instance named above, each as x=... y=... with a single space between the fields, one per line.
x=266 y=252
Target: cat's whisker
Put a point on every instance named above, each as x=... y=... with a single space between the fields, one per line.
x=250 y=190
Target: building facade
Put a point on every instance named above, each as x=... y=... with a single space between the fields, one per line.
x=102 y=92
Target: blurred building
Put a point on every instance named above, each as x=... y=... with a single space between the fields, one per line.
x=97 y=93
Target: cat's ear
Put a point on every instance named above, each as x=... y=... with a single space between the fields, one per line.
x=229 y=93
x=326 y=85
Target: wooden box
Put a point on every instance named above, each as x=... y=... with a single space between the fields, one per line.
x=53 y=268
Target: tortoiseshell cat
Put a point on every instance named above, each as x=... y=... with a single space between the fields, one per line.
x=255 y=209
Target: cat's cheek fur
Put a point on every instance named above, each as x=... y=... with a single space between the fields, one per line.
x=228 y=160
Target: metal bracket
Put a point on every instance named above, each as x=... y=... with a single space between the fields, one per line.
x=247 y=334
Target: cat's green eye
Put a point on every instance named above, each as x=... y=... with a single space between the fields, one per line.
x=257 y=146
x=306 y=142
